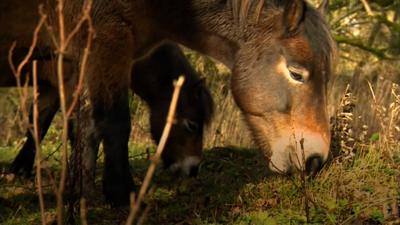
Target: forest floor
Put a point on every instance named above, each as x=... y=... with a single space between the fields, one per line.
x=232 y=187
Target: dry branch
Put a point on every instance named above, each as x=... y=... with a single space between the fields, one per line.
x=17 y=71
x=156 y=158
x=23 y=95
x=64 y=41
x=37 y=141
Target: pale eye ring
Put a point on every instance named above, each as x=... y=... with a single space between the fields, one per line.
x=298 y=74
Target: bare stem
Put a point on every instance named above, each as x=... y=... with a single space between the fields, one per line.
x=17 y=71
x=157 y=155
x=37 y=142
x=367 y=7
x=84 y=60
x=304 y=181
x=64 y=41
x=60 y=77
x=83 y=212
x=23 y=95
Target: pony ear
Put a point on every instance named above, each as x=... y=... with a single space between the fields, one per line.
x=293 y=14
x=323 y=7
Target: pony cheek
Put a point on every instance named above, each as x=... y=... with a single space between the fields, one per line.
x=261 y=97
x=264 y=87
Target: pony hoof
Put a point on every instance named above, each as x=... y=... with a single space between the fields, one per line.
x=118 y=195
x=117 y=199
x=23 y=164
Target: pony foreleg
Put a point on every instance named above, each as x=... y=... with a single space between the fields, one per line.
x=117 y=180
x=48 y=106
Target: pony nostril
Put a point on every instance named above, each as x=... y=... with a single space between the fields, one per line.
x=314 y=165
x=194 y=170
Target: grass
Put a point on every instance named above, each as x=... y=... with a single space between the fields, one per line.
x=233 y=187
x=361 y=185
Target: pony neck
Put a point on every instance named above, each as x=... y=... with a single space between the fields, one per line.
x=202 y=25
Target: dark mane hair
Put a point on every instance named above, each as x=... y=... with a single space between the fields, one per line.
x=320 y=38
x=315 y=26
x=241 y=8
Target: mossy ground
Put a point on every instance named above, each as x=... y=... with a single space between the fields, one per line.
x=232 y=187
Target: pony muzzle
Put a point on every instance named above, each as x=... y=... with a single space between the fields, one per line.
x=303 y=151
x=189 y=166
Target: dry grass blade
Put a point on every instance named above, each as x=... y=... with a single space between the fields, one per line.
x=367 y=8
x=304 y=180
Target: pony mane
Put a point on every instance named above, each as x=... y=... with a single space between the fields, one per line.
x=318 y=33
x=240 y=9
x=316 y=29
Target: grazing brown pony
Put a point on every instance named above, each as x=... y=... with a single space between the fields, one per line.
x=279 y=51
x=152 y=81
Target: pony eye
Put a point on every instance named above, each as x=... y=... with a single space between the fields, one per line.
x=191 y=126
x=296 y=76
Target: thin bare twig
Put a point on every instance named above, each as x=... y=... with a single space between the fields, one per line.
x=83 y=212
x=60 y=77
x=23 y=93
x=64 y=41
x=157 y=155
x=304 y=181
x=86 y=51
x=144 y=215
x=37 y=142
x=131 y=216
x=17 y=71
